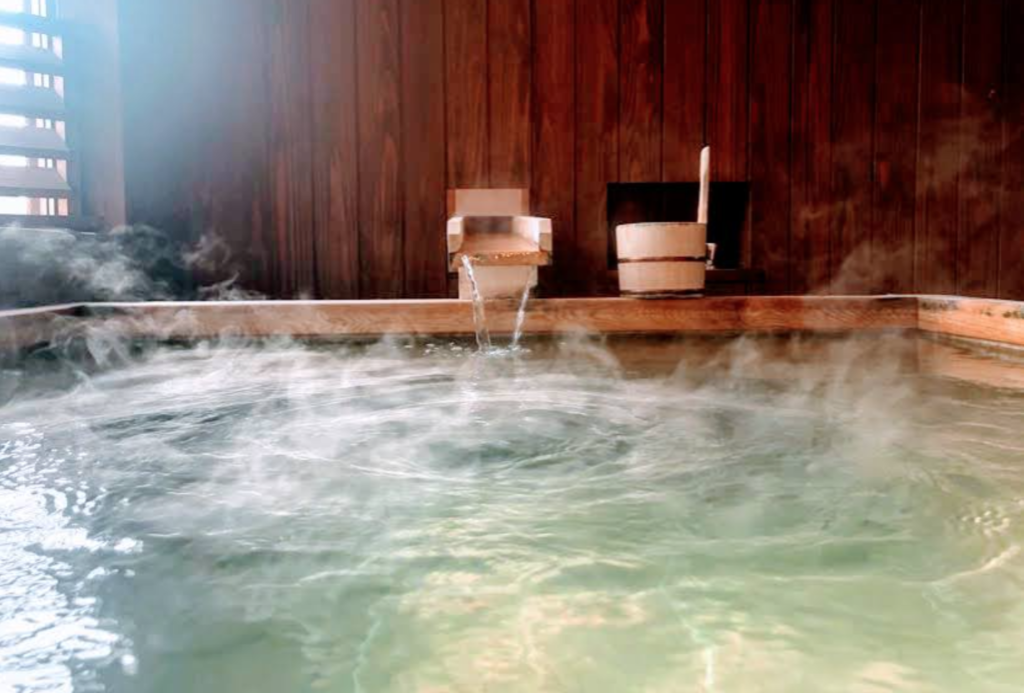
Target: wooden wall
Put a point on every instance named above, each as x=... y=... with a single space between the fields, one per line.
x=882 y=139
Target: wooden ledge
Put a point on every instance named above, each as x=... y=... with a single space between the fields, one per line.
x=1000 y=322
x=989 y=320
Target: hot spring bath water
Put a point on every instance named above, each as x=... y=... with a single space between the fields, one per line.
x=754 y=515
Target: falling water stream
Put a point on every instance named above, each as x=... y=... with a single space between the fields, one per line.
x=483 y=335
x=517 y=333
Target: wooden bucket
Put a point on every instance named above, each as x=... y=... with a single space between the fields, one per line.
x=662 y=258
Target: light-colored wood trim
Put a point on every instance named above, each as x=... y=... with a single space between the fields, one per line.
x=548 y=316
x=456 y=234
x=1000 y=322
x=31 y=327
x=536 y=230
x=488 y=202
x=973 y=318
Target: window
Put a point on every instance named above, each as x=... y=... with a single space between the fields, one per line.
x=34 y=153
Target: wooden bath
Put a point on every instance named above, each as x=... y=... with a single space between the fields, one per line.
x=992 y=321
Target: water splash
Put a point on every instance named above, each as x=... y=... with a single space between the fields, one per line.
x=517 y=334
x=483 y=335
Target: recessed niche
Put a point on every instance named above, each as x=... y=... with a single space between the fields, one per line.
x=630 y=203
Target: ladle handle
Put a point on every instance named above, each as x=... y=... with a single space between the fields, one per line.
x=705 y=185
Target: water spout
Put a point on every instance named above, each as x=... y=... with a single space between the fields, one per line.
x=483 y=335
x=517 y=334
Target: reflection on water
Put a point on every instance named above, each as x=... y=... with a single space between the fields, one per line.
x=773 y=515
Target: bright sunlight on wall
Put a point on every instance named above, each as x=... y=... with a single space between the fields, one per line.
x=31 y=127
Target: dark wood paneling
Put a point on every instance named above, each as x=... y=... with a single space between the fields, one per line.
x=230 y=209
x=335 y=167
x=853 y=99
x=423 y=131
x=728 y=98
x=896 y=75
x=685 y=82
x=938 y=170
x=770 y=111
x=597 y=143
x=250 y=161
x=316 y=137
x=640 y=83
x=291 y=151
x=1011 y=238
x=465 y=24
x=381 y=255
x=554 y=130
x=812 y=145
x=981 y=150
x=509 y=51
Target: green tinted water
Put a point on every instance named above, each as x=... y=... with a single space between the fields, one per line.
x=761 y=515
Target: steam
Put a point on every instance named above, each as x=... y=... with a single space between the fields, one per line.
x=959 y=156
x=407 y=513
x=658 y=505
x=131 y=263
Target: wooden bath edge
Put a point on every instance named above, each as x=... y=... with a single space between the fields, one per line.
x=989 y=320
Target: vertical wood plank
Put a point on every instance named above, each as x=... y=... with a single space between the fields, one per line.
x=812 y=145
x=466 y=92
x=852 y=146
x=770 y=83
x=1011 y=242
x=938 y=153
x=685 y=88
x=249 y=217
x=292 y=151
x=332 y=45
x=554 y=151
x=381 y=257
x=896 y=75
x=641 y=60
x=977 y=248
x=728 y=102
x=423 y=129
x=597 y=146
x=509 y=56
x=244 y=217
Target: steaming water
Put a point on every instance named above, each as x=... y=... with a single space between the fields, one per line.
x=646 y=516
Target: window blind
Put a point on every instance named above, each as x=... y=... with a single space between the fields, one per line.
x=34 y=154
